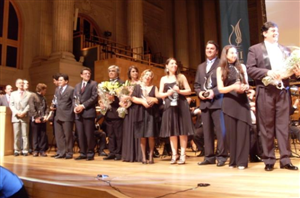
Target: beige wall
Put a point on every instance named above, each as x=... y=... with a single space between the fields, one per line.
x=286 y=14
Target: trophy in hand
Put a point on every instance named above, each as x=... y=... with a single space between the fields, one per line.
x=54 y=102
x=173 y=98
x=207 y=86
x=76 y=101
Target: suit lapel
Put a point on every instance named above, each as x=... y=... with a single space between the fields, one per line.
x=265 y=56
x=214 y=66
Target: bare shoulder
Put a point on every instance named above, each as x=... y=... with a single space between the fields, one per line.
x=163 y=79
x=243 y=66
x=182 y=76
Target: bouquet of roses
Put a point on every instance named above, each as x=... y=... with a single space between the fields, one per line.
x=105 y=91
x=124 y=96
x=287 y=71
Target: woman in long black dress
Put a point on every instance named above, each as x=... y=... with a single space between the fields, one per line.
x=232 y=80
x=176 y=118
x=131 y=151
x=147 y=114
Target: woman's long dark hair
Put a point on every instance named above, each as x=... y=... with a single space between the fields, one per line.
x=225 y=65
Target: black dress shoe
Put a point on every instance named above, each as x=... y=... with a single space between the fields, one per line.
x=255 y=159
x=69 y=157
x=109 y=157
x=102 y=154
x=55 y=155
x=269 y=167
x=43 y=154
x=219 y=164
x=118 y=157
x=35 y=154
x=289 y=167
x=201 y=154
x=60 y=156
x=16 y=154
x=205 y=162
x=89 y=158
x=81 y=157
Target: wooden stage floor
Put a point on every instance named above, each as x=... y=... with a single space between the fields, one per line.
x=154 y=181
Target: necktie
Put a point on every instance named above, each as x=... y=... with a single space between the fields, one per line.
x=60 y=90
x=21 y=94
x=83 y=87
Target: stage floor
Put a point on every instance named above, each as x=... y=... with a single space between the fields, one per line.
x=160 y=179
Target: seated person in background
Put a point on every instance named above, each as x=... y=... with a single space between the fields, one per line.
x=255 y=142
x=100 y=136
x=10 y=185
x=295 y=125
x=198 y=137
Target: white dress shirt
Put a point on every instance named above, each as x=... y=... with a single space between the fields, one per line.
x=275 y=55
x=209 y=63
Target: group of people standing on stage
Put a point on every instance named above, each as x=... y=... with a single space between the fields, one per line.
x=144 y=121
x=221 y=84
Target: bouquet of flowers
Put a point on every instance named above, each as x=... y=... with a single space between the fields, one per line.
x=287 y=71
x=105 y=91
x=124 y=96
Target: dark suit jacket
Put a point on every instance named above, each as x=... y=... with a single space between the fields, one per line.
x=64 y=110
x=112 y=113
x=258 y=63
x=88 y=98
x=3 y=101
x=37 y=106
x=216 y=102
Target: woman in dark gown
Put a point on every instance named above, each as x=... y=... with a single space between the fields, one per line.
x=176 y=118
x=131 y=151
x=146 y=114
x=233 y=82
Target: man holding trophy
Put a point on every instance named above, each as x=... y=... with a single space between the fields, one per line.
x=210 y=105
x=39 y=115
x=84 y=104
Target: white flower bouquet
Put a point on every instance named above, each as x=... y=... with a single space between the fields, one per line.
x=124 y=96
x=106 y=91
x=287 y=71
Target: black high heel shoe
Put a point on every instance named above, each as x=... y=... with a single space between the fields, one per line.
x=144 y=162
x=151 y=161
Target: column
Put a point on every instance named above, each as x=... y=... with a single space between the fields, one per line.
x=43 y=33
x=63 y=20
x=135 y=26
x=194 y=33
x=181 y=32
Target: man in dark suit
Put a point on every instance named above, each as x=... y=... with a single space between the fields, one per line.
x=64 y=118
x=85 y=99
x=272 y=104
x=210 y=105
x=114 y=124
x=53 y=109
x=38 y=113
x=4 y=100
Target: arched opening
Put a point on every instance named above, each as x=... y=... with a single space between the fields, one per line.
x=10 y=34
